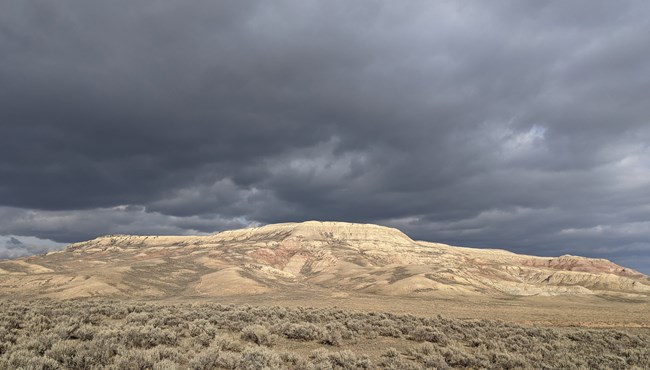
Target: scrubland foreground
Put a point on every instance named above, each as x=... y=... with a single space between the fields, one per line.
x=101 y=334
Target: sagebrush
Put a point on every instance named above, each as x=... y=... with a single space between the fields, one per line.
x=99 y=334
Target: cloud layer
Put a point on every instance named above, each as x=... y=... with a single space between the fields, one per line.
x=19 y=246
x=500 y=124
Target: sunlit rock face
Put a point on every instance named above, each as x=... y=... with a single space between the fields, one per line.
x=328 y=257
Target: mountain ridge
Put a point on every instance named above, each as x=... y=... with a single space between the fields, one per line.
x=331 y=257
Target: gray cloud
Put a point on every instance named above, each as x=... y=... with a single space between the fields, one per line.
x=501 y=124
x=70 y=226
x=12 y=246
x=13 y=242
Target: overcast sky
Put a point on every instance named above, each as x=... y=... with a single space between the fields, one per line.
x=510 y=124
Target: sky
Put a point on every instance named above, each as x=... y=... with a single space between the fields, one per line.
x=502 y=124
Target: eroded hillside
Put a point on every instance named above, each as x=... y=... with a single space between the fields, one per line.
x=332 y=257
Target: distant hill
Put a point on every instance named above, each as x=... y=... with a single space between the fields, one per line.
x=329 y=257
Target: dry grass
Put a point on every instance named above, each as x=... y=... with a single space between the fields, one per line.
x=100 y=334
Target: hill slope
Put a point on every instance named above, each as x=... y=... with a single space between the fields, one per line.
x=332 y=257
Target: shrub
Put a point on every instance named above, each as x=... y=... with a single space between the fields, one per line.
x=429 y=334
x=64 y=353
x=208 y=359
x=259 y=358
x=165 y=365
x=388 y=328
x=134 y=359
x=348 y=360
x=23 y=359
x=303 y=331
x=258 y=334
x=227 y=343
x=138 y=318
x=292 y=359
x=391 y=359
x=148 y=337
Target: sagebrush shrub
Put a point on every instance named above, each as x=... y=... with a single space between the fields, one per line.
x=259 y=358
x=392 y=359
x=133 y=359
x=93 y=334
x=165 y=365
x=258 y=334
x=227 y=343
x=23 y=359
x=148 y=336
x=206 y=360
x=303 y=331
x=429 y=334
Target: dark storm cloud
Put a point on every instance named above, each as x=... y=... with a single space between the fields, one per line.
x=500 y=124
